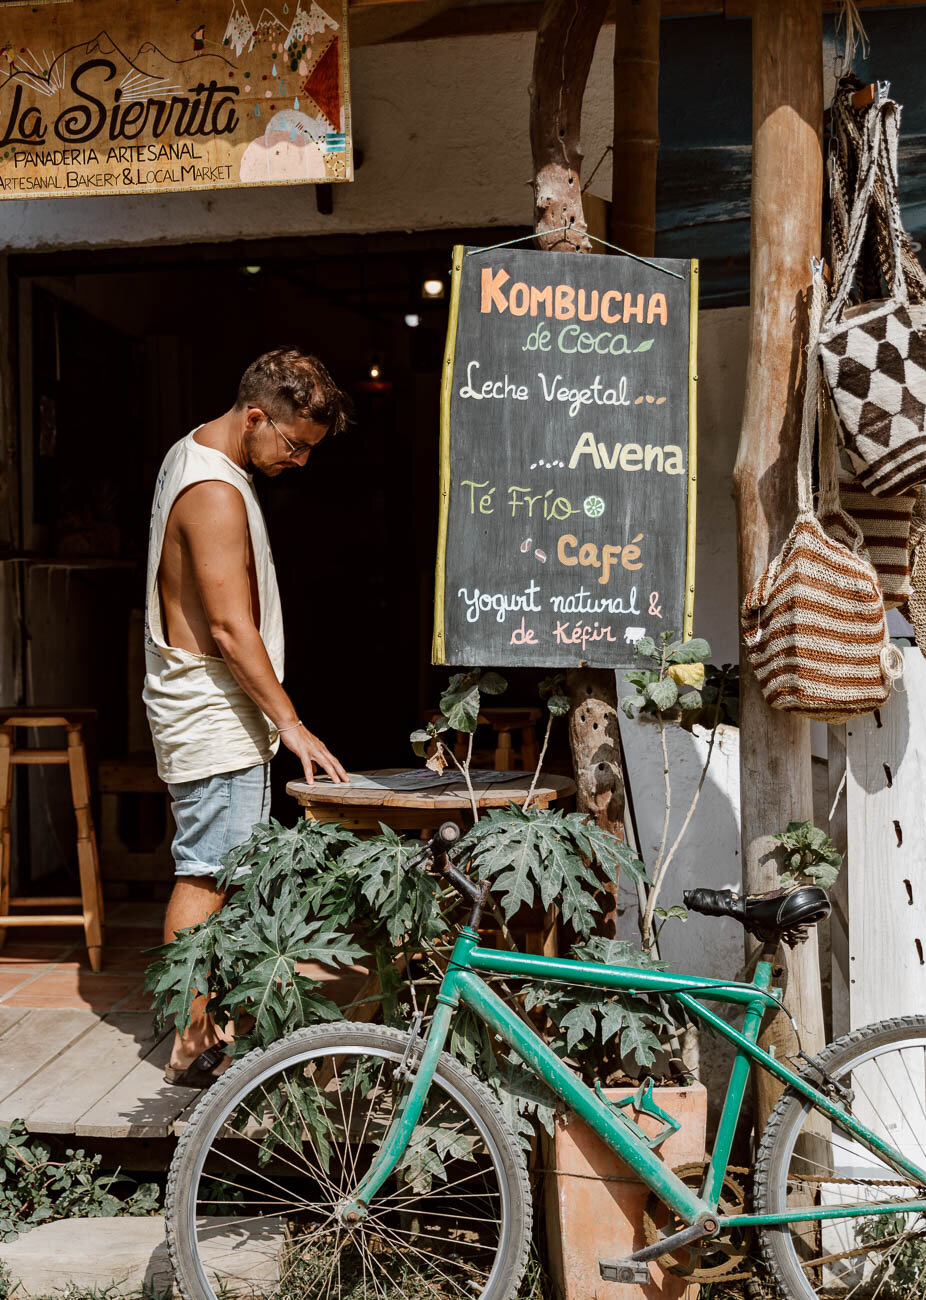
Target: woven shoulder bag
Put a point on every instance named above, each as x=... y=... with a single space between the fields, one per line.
x=814 y=624
x=874 y=355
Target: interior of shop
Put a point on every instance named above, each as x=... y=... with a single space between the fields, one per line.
x=121 y=353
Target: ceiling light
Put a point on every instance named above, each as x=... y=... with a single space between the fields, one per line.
x=375 y=372
x=412 y=320
x=252 y=270
x=432 y=288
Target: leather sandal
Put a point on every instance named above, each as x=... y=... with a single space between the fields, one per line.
x=200 y=1074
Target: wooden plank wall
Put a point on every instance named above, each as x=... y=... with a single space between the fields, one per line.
x=886 y=833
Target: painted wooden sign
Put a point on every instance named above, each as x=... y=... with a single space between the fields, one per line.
x=104 y=97
x=567 y=458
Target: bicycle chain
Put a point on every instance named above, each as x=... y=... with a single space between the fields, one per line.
x=713 y=1273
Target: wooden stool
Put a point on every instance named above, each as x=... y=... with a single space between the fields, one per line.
x=91 y=895
x=506 y=757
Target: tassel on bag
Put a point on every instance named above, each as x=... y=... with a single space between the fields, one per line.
x=814 y=624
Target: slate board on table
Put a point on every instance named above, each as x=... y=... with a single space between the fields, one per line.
x=423 y=779
x=561 y=436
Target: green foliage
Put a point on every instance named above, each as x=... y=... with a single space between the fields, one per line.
x=900 y=1265
x=549 y=854
x=552 y=691
x=595 y=1030
x=669 y=680
x=460 y=702
x=681 y=686
x=459 y=711
x=36 y=1189
x=392 y=899
x=810 y=856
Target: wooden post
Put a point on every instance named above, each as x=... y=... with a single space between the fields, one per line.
x=786 y=160
x=636 y=126
x=566 y=37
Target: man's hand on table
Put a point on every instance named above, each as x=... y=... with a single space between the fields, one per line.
x=311 y=752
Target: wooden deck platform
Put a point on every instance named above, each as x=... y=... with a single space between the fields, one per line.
x=78 y=1052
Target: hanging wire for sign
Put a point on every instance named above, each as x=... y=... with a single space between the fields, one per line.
x=522 y=239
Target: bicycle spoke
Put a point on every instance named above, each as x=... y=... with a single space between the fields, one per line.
x=444 y=1187
x=913 y=1087
x=316 y=1173
x=429 y=1236
x=426 y=1255
x=319 y=1170
x=231 y=1159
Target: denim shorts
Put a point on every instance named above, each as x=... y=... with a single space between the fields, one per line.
x=216 y=814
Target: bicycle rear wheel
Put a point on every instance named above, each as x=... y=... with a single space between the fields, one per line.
x=805 y=1160
x=256 y=1192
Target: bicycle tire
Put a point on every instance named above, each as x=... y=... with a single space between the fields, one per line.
x=205 y=1125
x=781 y=1136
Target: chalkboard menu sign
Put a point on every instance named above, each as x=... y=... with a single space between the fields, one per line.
x=567 y=458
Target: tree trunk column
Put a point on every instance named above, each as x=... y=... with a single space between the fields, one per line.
x=567 y=32
x=787 y=185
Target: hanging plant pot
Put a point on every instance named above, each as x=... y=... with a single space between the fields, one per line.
x=595 y=1204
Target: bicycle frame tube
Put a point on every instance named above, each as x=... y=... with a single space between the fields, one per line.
x=462 y=984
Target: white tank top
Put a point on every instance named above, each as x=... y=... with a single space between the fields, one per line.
x=202 y=722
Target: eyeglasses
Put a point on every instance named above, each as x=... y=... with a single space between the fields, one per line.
x=295 y=449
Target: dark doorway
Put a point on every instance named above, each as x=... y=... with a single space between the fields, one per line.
x=129 y=351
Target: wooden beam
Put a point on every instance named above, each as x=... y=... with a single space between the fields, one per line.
x=500 y=19
x=636 y=127
x=775 y=765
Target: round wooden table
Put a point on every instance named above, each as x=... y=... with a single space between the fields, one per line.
x=360 y=808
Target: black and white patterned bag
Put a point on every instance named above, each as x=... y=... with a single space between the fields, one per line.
x=874 y=355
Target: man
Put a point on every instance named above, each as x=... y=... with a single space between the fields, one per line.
x=214 y=641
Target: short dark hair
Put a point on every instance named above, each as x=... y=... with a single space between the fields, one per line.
x=287 y=382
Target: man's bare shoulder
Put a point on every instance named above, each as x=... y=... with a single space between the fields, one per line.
x=211 y=503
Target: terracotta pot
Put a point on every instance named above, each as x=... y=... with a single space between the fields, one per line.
x=588 y=1220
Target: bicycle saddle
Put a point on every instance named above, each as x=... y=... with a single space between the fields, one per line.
x=780 y=914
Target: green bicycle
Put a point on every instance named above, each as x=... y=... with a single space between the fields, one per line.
x=357 y=1162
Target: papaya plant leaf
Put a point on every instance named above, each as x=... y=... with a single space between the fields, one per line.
x=180 y=971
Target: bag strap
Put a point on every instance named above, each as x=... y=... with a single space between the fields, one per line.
x=888 y=172
x=861 y=205
x=811 y=400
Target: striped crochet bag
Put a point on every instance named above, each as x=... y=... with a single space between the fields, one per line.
x=814 y=624
x=885 y=524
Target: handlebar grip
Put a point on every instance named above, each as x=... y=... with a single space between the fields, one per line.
x=447 y=834
x=443 y=838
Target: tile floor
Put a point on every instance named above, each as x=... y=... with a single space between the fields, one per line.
x=49 y=967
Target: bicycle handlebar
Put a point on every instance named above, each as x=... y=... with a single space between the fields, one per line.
x=446 y=835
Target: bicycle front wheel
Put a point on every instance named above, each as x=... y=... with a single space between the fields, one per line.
x=256 y=1192
x=805 y=1160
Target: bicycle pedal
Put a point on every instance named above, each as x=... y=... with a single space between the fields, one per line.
x=625 y=1271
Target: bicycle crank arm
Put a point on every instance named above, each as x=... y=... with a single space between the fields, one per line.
x=635 y=1268
x=703 y=1228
